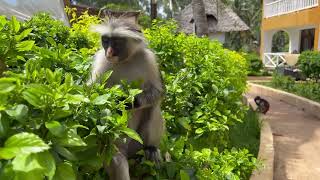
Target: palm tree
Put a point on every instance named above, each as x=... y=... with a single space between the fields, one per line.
x=200 y=18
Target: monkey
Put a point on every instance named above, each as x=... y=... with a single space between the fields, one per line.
x=124 y=51
x=263 y=105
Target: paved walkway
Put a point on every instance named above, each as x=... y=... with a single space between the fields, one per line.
x=296 y=142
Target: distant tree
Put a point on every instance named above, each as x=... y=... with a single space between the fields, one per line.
x=250 y=11
x=153 y=12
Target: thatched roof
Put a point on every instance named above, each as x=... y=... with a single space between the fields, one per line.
x=221 y=19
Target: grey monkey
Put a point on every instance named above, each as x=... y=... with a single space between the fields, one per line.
x=125 y=53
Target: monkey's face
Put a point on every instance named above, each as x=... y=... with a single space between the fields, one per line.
x=116 y=48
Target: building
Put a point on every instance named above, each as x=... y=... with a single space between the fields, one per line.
x=300 y=19
x=131 y=16
x=221 y=19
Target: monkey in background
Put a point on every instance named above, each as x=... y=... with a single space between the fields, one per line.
x=124 y=52
x=263 y=105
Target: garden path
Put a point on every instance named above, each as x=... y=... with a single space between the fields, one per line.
x=296 y=141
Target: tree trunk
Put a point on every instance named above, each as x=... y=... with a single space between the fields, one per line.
x=154 y=12
x=200 y=18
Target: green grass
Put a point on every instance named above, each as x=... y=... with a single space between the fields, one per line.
x=246 y=134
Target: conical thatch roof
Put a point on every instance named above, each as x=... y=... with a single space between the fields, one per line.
x=221 y=19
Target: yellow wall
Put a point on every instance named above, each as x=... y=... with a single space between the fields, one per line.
x=299 y=18
x=295 y=19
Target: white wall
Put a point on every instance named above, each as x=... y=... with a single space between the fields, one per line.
x=294 y=39
x=220 y=36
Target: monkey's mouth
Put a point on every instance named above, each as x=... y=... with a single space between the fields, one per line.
x=113 y=59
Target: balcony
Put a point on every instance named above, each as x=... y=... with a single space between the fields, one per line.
x=280 y=7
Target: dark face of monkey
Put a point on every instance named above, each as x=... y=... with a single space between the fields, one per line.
x=120 y=39
x=116 y=48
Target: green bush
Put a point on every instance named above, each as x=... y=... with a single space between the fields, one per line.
x=309 y=63
x=44 y=26
x=254 y=63
x=52 y=126
x=308 y=89
x=283 y=82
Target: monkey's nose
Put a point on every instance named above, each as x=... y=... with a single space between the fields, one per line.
x=110 y=52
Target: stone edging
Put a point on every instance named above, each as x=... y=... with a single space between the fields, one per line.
x=266 y=149
x=266 y=154
x=301 y=103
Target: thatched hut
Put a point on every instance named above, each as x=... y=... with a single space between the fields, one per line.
x=221 y=19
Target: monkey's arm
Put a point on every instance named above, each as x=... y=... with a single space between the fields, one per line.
x=149 y=96
x=99 y=66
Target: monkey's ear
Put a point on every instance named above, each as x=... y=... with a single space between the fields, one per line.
x=100 y=28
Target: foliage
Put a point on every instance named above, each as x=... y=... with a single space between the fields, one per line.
x=43 y=26
x=204 y=85
x=280 y=42
x=247 y=133
x=309 y=63
x=283 y=82
x=251 y=13
x=254 y=63
x=308 y=89
x=53 y=126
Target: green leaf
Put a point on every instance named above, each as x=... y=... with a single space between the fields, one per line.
x=26 y=163
x=184 y=175
x=100 y=100
x=55 y=128
x=65 y=153
x=33 y=98
x=68 y=81
x=24 y=34
x=18 y=112
x=132 y=134
x=15 y=24
x=64 y=172
x=43 y=163
x=76 y=99
x=184 y=122
x=59 y=114
x=199 y=131
x=105 y=77
x=51 y=41
x=4 y=126
x=50 y=76
x=3 y=22
x=7 y=85
x=47 y=161
x=25 y=45
x=22 y=143
x=71 y=139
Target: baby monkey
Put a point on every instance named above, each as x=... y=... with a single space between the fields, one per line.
x=263 y=105
x=124 y=52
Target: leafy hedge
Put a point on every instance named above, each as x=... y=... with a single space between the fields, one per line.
x=308 y=89
x=52 y=125
x=309 y=63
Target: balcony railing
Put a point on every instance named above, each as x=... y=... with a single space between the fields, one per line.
x=280 y=7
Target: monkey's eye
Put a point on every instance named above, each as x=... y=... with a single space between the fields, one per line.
x=105 y=42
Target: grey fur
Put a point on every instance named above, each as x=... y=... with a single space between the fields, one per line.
x=146 y=120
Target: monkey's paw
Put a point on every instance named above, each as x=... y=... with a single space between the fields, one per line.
x=152 y=153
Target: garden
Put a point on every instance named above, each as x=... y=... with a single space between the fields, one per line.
x=54 y=126
x=304 y=82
